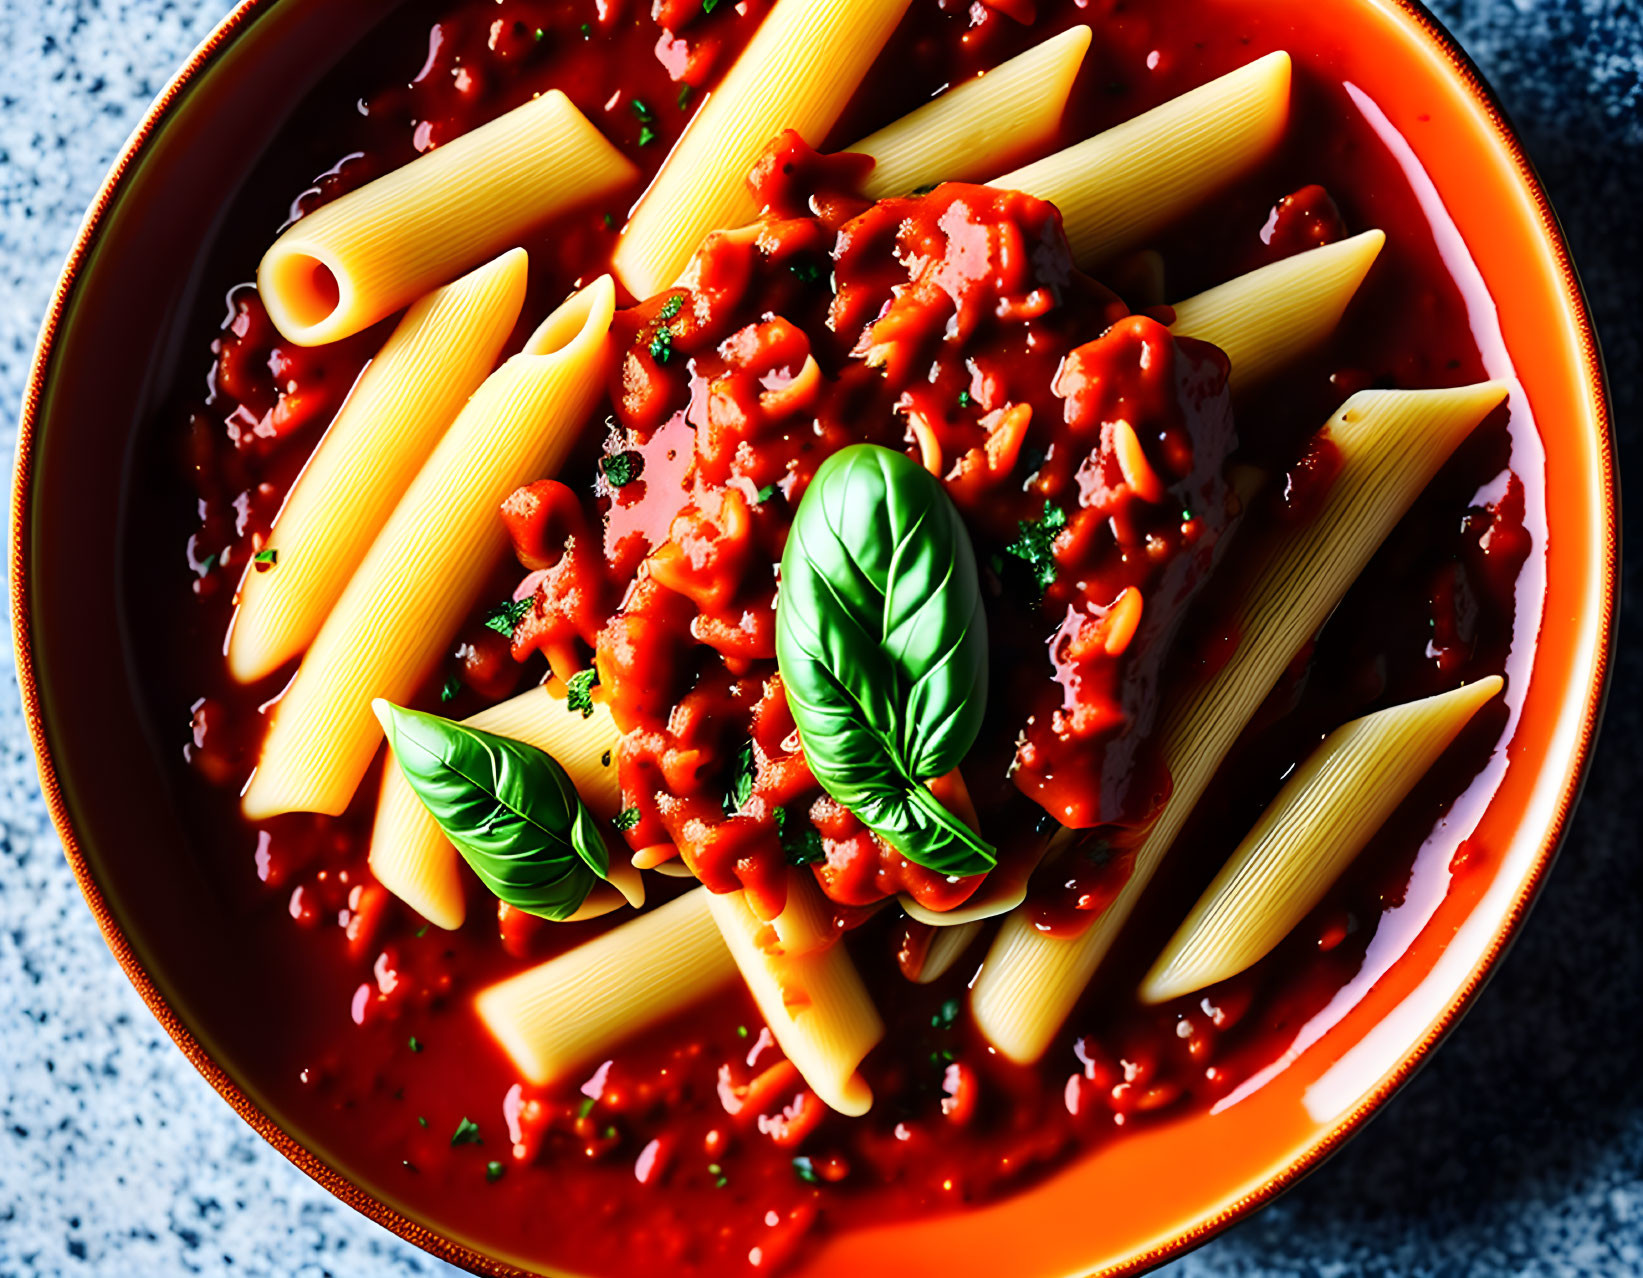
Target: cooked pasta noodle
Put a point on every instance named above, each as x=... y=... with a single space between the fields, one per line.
x=1390 y=444
x=362 y=257
x=423 y=573
x=436 y=358
x=1308 y=835
x=413 y=859
x=797 y=72
x=947 y=946
x=1269 y=317
x=1120 y=186
x=976 y=126
x=805 y=924
x=815 y=1005
x=567 y=1013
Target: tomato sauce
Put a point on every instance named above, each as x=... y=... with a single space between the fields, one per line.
x=697 y=1149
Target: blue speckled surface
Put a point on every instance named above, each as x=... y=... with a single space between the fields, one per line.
x=1519 y=1150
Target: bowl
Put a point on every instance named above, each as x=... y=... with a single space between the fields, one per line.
x=113 y=334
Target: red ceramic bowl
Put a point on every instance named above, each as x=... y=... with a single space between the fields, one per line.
x=109 y=345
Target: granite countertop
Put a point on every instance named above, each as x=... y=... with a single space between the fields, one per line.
x=1518 y=1150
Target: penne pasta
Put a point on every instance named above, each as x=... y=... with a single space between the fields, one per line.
x=815 y=1005
x=412 y=858
x=436 y=358
x=946 y=948
x=979 y=125
x=1118 y=187
x=423 y=573
x=1272 y=316
x=1390 y=444
x=797 y=72
x=805 y=924
x=567 y=1013
x=360 y=258
x=1328 y=809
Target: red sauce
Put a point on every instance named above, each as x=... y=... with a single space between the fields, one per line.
x=697 y=1149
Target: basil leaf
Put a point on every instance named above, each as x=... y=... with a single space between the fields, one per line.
x=507 y=806
x=882 y=645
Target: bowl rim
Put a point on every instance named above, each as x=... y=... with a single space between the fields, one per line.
x=1595 y=387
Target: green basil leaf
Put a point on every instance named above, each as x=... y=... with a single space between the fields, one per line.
x=882 y=644
x=508 y=807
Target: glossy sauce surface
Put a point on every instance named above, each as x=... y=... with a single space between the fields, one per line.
x=672 y=1163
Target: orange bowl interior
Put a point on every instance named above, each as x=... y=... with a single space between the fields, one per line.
x=111 y=344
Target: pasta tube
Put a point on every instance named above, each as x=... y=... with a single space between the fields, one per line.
x=1307 y=836
x=814 y=1004
x=360 y=258
x=1270 y=317
x=964 y=134
x=805 y=924
x=442 y=350
x=1119 y=187
x=567 y=1013
x=1390 y=444
x=947 y=946
x=423 y=573
x=413 y=859
x=797 y=72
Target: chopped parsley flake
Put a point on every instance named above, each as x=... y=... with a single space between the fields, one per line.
x=422 y=931
x=721 y=1182
x=207 y=564
x=641 y=110
x=809 y=270
x=964 y=399
x=626 y=819
x=587 y=30
x=661 y=346
x=805 y=1170
x=421 y=1121
x=647 y=135
x=586 y=1107
x=451 y=687
x=765 y=494
x=708 y=6
x=1034 y=541
x=671 y=307
x=494 y=1171
x=622 y=468
x=579 y=692
x=609 y=1133
x=684 y=96
x=740 y=789
x=265 y=559
x=506 y=616
x=541 y=34
x=946 y=1015
x=415 y=1044
x=610 y=220
x=801 y=841
x=741 y=1032
x=466 y=1133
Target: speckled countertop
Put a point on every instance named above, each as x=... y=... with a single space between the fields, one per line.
x=1518 y=1150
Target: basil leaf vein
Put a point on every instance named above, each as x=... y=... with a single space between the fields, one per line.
x=882 y=645
x=509 y=808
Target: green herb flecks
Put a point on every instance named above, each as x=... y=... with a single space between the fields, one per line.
x=494 y=1171
x=579 y=692
x=449 y=689
x=415 y=1044
x=647 y=135
x=685 y=92
x=506 y=616
x=466 y=1133
x=946 y=1016
x=265 y=559
x=586 y=1107
x=805 y=1170
x=626 y=819
x=621 y=469
x=1035 y=541
x=742 y=771
x=801 y=840
x=661 y=345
